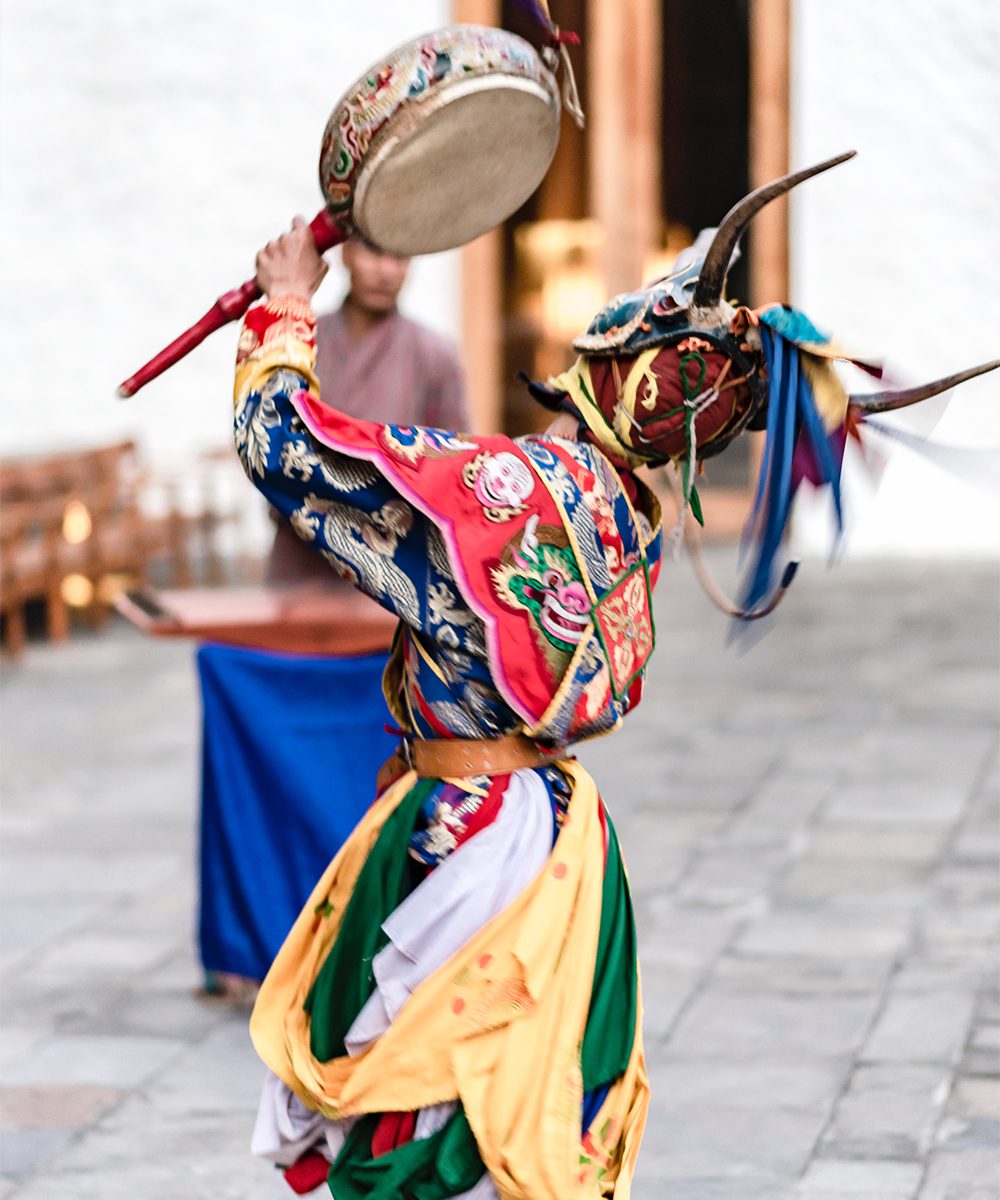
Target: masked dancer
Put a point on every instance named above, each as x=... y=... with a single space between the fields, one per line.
x=457 y=1010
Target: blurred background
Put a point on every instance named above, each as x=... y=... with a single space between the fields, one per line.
x=812 y=829
x=149 y=150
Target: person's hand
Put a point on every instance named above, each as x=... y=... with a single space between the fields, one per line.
x=290 y=265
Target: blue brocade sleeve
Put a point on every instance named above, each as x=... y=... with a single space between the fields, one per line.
x=341 y=506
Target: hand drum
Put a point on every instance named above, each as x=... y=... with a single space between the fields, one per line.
x=435 y=145
x=442 y=141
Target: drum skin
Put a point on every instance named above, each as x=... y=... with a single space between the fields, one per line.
x=442 y=140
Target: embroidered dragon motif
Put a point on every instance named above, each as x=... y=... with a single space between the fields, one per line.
x=365 y=543
x=543 y=577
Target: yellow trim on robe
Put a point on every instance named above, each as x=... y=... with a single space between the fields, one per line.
x=287 y=352
x=499 y=1026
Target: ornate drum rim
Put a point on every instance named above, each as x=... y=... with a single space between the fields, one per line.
x=528 y=73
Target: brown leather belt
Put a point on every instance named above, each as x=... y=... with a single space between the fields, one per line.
x=447 y=758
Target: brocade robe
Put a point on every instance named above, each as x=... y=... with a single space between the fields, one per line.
x=521 y=573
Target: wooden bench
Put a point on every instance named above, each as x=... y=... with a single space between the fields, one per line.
x=65 y=515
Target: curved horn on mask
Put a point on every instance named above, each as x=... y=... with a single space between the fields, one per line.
x=711 y=281
x=878 y=402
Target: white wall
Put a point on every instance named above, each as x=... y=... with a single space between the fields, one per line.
x=149 y=147
x=899 y=250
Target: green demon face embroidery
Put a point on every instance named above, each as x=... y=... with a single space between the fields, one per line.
x=545 y=579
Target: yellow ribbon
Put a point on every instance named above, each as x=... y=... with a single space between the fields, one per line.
x=616 y=436
x=498 y=1027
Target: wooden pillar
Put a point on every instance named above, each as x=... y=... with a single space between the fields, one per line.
x=481 y=329
x=480 y=290
x=624 y=70
x=769 y=155
x=769 y=145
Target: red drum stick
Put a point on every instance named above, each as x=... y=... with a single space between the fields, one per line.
x=327 y=230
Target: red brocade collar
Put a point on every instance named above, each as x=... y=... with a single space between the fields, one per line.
x=495 y=511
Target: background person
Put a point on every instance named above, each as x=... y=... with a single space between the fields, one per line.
x=278 y=727
x=381 y=366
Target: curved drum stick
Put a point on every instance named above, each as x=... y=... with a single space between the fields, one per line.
x=327 y=230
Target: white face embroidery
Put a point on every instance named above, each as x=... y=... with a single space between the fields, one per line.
x=503 y=482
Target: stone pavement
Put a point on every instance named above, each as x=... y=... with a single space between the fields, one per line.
x=813 y=839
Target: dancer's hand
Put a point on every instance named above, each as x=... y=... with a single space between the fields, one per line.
x=290 y=265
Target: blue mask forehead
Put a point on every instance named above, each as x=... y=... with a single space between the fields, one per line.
x=620 y=311
x=632 y=321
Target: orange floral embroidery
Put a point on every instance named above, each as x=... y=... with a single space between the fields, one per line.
x=501 y=1000
x=291 y=306
x=624 y=622
x=286 y=317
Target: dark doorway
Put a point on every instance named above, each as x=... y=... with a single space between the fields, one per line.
x=550 y=266
x=705 y=166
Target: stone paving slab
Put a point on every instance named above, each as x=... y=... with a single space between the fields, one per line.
x=836 y=1179
x=924 y=1027
x=888 y=1111
x=812 y=831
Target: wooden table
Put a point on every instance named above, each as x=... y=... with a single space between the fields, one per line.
x=300 y=619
